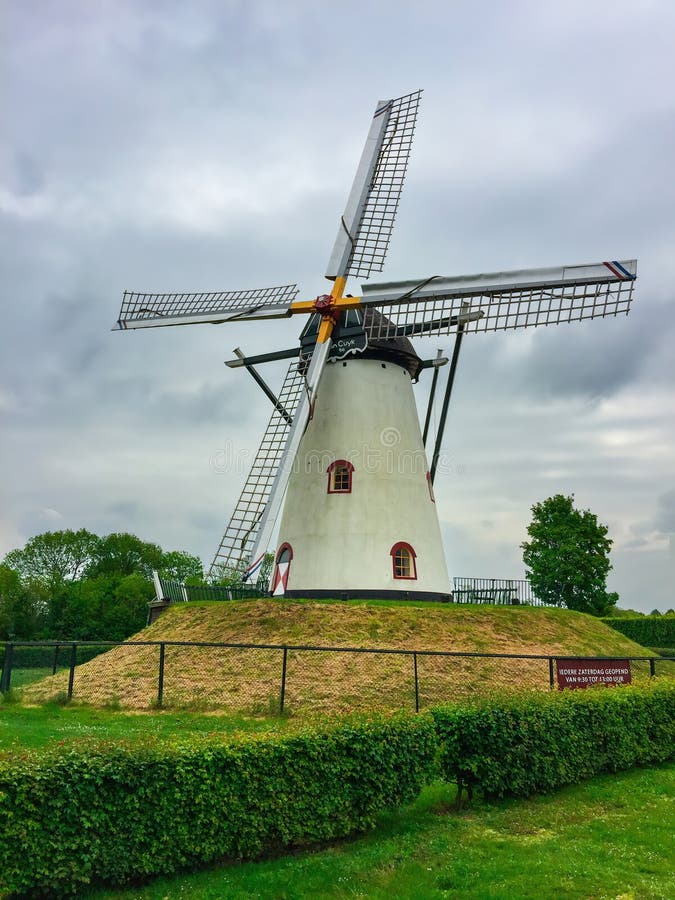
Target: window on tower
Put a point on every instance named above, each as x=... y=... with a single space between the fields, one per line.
x=403 y=559
x=340 y=477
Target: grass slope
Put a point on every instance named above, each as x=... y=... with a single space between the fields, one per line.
x=248 y=681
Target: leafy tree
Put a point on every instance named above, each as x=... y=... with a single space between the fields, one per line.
x=22 y=610
x=107 y=607
x=125 y=554
x=182 y=566
x=233 y=576
x=567 y=557
x=263 y=582
x=229 y=576
x=55 y=556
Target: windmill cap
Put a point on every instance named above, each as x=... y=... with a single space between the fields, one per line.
x=381 y=343
x=397 y=349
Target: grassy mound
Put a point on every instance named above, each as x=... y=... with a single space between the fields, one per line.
x=248 y=680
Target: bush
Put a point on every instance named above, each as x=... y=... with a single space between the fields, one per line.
x=650 y=632
x=517 y=746
x=120 y=812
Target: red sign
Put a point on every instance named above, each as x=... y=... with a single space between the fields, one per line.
x=583 y=673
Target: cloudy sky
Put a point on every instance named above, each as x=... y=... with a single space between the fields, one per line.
x=211 y=145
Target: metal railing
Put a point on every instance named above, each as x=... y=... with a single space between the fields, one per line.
x=272 y=678
x=177 y=592
x=496 y=591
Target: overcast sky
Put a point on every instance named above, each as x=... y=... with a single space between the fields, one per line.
x=211 y=146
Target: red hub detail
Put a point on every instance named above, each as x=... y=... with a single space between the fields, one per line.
x=325 y=301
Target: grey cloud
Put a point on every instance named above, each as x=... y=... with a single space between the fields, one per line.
x=665 y=516
x=123 y=509
x=29 y=178
x=196 y=148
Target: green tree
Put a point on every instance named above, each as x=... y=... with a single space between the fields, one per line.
x=23 y=610
x=55 y=556
x=74 y=585
x=229 y=576
x=107 y=607
x=182 y=566
x=233 y=576
x=263 y=581
x=567 y=557
x=125 y=554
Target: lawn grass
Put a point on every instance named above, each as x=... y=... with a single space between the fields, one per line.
x=21 y=677
x=23 y=727
x=611 y=837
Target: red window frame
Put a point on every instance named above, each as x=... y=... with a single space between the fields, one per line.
x=403 y=545
x=332 y=471
x=285 y=547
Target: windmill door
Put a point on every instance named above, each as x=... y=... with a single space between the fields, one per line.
x=281 y=570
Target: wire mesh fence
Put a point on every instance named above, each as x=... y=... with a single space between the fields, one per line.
x=249 y=679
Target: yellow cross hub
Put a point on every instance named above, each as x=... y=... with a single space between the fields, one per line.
x=328 y=306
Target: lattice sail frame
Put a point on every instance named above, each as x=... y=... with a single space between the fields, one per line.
x=145 y=310
x=368 y=220
x=235 y=547
x=371 y=242
x=505 y=301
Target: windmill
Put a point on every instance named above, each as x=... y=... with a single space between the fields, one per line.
x=344 y=444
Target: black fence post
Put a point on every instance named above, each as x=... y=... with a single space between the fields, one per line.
x=417 y=685
x=551 y=680
x=160 y=680
x=71 y=675
x=56 y=659
x=7 y=668
x=652 y=667
x=283 y=681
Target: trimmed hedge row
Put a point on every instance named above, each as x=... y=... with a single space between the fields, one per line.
x=115 y=813
x=521 y=745
x=650 y=632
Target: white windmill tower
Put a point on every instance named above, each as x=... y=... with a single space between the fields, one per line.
x=344 y=445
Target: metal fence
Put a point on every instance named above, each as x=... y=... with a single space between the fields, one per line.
x=177 y=592
x=251 y=679
x=496 y=591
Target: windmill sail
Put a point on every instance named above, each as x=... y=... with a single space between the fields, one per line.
x=242 y=529
x=159 y=310
x=503 y=300
x=368 y=220
x=308 y=394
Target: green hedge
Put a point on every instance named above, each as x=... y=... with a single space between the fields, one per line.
x=648 y=631
x=521 y=745
x=115 y=813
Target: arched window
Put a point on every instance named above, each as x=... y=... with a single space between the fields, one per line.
x=340 y=477
x=281 y=570
x=403 y=560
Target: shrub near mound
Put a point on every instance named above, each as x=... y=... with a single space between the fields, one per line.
x=114 y=813
x=645 y=630
x=526 y=744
